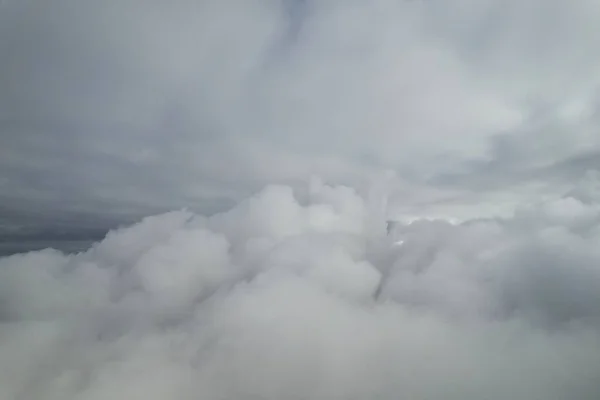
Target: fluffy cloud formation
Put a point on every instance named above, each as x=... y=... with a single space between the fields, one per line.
x=485 y=110
x=117 y=109
x=307 y=296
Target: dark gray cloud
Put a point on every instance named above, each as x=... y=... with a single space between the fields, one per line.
x=116 y=110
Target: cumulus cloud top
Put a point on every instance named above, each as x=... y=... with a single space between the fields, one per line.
x=289 y=298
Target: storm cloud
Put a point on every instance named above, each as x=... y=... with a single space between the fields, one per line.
x=286 y=199
x=115 y=110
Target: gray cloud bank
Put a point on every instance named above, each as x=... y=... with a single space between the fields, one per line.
x=113 y=110
x=305 y=296
x=487 y=111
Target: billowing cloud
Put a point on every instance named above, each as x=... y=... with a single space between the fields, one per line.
x=290 y=296
x=478 y=119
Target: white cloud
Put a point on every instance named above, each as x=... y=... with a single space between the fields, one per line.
x=278 y=300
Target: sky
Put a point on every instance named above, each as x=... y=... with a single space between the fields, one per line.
x=300 y=199
x=114 y=110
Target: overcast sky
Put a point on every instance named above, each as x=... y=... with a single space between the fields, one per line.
x=110 y=110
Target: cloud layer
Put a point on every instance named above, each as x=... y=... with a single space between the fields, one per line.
x=486 y=113
x=111 y=111
x=291 y=296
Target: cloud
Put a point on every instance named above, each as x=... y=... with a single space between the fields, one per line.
x=305 y=296
x=486 y=112
x=116 y=110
